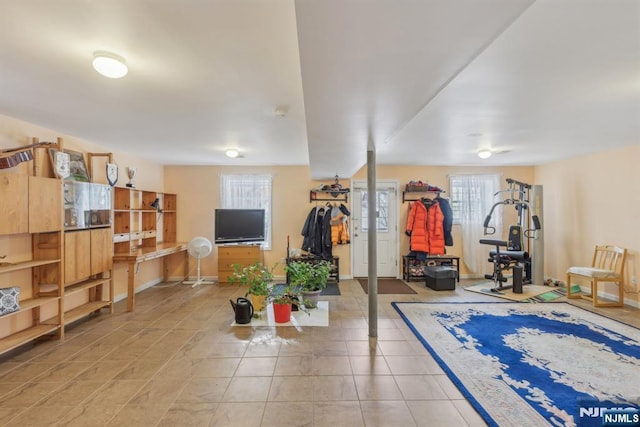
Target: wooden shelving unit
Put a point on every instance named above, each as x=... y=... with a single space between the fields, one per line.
x=144 y=227
x=136 y=220
x=32 y=209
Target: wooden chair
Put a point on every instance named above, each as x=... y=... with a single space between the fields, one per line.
x=607 y=266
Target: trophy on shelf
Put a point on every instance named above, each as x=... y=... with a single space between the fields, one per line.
x=131 y=173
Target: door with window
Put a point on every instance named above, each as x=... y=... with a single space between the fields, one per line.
x=386 y=227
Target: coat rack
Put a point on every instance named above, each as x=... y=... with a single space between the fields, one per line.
x=419 y=190
x=336 y=191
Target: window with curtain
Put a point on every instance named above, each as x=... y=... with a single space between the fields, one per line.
x=472 y=197
x=248 y=191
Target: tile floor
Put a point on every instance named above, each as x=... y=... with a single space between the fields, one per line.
x=176 y=361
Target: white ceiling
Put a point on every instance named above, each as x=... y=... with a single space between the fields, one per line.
x=427 y=82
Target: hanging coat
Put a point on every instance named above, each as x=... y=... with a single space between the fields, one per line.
x=425 y=226
x=339 y=227
x=447 y=223
x=326 y=248
x=309 y=231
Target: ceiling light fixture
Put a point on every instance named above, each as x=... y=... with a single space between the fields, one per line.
x=110 y=65
x=232 y=153
x=484 y=154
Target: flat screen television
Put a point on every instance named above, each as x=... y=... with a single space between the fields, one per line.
x=239 y=226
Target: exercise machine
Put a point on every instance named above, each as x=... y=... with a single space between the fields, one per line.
x=513 y=254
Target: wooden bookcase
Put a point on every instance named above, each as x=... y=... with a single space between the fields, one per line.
x=32 y=209
x=135 y=220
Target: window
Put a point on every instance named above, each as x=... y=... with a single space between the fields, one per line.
x=382 y=211
x=248 y=192
x=472 y=196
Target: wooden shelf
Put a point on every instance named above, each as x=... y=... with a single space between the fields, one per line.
x=88 y=284
x=84 y=310
x=24 y=336
x=6 y=268
x=406 y=198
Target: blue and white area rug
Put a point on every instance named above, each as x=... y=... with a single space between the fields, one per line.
x=523 y=364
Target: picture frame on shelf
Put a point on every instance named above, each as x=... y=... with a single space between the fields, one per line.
x=60 y=163
x=77 y=166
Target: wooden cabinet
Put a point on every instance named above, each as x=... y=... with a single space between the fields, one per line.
x=88 y=264
x=88 y=249
x=32 y=209
x=14 y=209
x=229 y=255
x=142 y=219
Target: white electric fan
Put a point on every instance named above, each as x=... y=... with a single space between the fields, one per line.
x=199 y=247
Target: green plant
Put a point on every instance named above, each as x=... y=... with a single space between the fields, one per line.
x=256 y=276
x=287 y=295
x=309 y=276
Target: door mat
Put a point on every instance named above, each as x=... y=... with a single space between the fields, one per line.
x=387 y=286
x=530 y=293
x=331 y=289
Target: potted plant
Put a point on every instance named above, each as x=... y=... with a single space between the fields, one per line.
x=310 y=277
x=281 y=300
x=257 y=277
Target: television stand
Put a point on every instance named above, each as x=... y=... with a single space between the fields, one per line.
x=243 y=254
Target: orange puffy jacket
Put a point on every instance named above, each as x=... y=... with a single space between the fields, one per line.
x=426 y=228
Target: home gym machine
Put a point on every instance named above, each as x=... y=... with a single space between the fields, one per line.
x=515 y=254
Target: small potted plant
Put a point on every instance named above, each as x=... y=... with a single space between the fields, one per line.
x=281 y=299
x=257 y=277
x=310 y=277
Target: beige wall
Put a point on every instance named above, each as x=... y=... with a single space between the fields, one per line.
x=198 y=189
x=592 y=200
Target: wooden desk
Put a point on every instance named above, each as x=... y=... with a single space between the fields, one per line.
x=162 y=250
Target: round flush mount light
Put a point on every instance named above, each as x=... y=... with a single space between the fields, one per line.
x=232 y=153
x=484 y=154
x=110 y=65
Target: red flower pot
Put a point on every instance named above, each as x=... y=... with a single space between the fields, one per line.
x=282 y=312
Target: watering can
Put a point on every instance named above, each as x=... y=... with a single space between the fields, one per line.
x=243 y=309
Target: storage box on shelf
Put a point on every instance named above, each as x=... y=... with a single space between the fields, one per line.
x=32 y=207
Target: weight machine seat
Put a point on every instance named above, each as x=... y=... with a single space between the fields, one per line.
x=505 y=255
x=519 y=256
x=494 y=242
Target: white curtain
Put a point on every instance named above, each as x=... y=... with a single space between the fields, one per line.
x=248 y=191
x=474 y=196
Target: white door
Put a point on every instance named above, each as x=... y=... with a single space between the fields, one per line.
x=386 y=224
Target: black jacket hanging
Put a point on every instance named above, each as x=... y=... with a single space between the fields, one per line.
x=309 y=231
x=447 y=223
